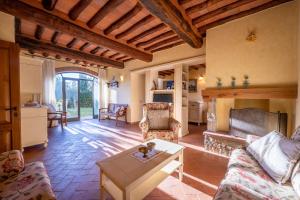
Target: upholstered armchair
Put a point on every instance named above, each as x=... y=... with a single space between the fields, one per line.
x=158 y=122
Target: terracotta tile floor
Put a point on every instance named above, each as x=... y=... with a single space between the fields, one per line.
x=71 y=155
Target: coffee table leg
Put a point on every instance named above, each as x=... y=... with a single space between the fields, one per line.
x=101 y=186
x=181 y=167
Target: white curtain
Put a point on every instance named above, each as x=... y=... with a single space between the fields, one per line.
x=102 y=75
x=49 y=82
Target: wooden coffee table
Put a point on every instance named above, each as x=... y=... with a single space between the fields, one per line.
x=125 y=177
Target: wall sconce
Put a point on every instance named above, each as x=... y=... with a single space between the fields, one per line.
x=121 y=78
x=201 y=78
x=251 y=37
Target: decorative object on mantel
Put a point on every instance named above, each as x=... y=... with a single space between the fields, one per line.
x=113 y=83
x=192 y=85
x=233 y=82
x=219 y=82
x=251 y=37
x=246 y=81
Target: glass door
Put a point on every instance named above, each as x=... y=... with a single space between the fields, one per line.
x=86 y=99
x=71 y=103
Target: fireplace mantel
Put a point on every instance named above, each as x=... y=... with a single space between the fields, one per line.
x=279 y=92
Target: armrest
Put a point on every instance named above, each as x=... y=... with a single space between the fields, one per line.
x=56 y=113
x=11 y=163
x=174 y=125
x=144 y=125
x=101 y=109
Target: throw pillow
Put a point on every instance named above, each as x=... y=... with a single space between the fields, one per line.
x=276 y=154
x=11 y=163
x=295 y=178
x=158 y=119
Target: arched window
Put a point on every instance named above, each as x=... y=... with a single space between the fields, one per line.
x=77 y=94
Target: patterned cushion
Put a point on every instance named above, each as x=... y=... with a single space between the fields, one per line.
x=11 y=163
x=246 y=180
x=159 y=119
x=275 y=146
x=32 y=183
x=161 y=134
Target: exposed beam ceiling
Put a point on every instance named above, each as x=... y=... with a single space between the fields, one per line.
x=78 y=8
x=25 y=11
x=107 y=8
x=49 y=4
x=29 y=43
x=136 y=26
x=270 y=4
x=171 y=15
x=121 y=21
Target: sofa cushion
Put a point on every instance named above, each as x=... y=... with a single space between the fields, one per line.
x=158 y=119
x=11 y=163
x=242 y=184
x=275 y=147
x=161 y=134
x=32 y=183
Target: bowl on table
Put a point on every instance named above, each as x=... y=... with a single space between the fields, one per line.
x=144 y=150
x=150 y=145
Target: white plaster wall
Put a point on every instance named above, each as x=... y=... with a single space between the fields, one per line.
x=270 y=60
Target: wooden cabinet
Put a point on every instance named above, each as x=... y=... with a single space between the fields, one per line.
x=34 y=126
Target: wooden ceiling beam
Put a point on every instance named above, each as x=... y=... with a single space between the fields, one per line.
x=49 y=4
x=171 y=15
x=72 y=42
x=121 y=58
x=201 y=6
x=159 y=27
x=104 y=53
x=221 y=10
x=114 y=55
x=54 y=37
x=28 y=43
x=125 y=18
x=38 y=32
x=139 y=24
x=27 y=12
x=163 y=43
x=106 y=9
x=180 y=2
x=155 y=39
x=78 y=8
x=85 y=45
x=95 y=50
x=270 y=4
x=168 y=46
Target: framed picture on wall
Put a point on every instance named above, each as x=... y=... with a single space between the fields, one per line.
x=193 y=85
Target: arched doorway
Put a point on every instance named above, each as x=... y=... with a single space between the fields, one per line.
x=77 y=94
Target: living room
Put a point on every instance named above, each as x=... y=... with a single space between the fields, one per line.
x=235 y=61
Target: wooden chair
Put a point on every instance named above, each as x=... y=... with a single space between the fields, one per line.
x=56 y=115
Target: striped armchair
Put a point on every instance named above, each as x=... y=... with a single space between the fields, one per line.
x=158 y=122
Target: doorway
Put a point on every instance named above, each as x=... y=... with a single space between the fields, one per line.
x=77 y=94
